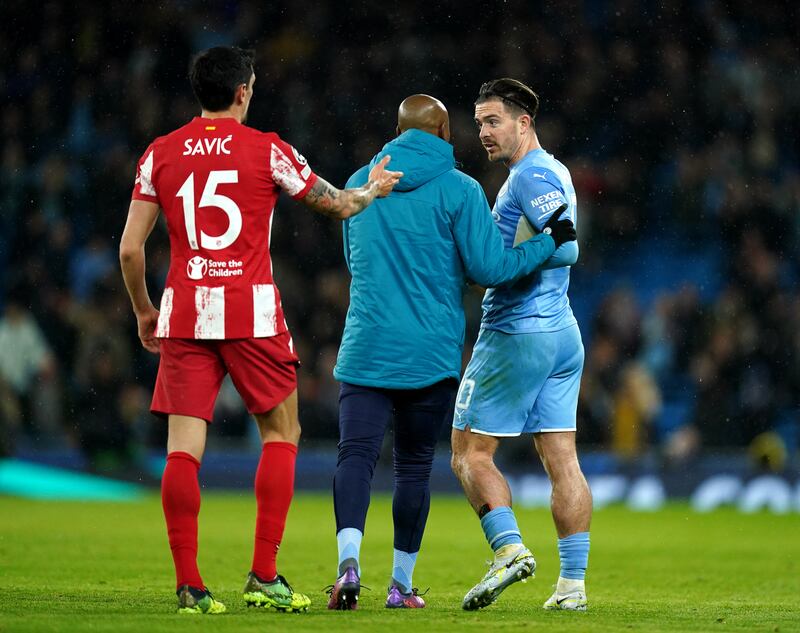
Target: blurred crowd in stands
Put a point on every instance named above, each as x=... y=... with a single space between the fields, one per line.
x=679 y=120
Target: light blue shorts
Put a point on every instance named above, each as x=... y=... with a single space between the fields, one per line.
x=521 y=383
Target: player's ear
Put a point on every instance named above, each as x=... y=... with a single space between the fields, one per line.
x=241 y=94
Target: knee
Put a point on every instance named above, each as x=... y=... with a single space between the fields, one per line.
x=289 y=432
x=458 y=455
x=464 y=461
x=414 y=470
x=278 y=425
x=566 y=473
x=358 y=450
x=457 y=463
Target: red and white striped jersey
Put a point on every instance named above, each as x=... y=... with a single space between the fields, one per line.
x=217 y=182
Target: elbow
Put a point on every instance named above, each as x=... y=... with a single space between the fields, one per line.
x=339 y=210
x=128 y=253
x=483 y=280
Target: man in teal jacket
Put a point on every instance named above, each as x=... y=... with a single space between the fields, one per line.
x=400 y=357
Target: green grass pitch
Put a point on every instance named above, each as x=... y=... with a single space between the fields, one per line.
x=106 y=567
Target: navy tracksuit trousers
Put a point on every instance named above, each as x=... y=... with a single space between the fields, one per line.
x=364 y=414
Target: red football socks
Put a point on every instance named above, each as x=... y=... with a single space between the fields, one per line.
x=274 y=489
x=180 y=497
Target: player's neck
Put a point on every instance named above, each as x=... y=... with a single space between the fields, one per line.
x=231 y=113
x=528 y=144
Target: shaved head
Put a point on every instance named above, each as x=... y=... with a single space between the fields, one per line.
x=422 y=112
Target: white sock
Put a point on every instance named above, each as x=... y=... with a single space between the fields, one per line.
x=508 y=551
x=569 y=585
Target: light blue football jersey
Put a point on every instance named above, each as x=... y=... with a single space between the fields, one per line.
x=536 y=186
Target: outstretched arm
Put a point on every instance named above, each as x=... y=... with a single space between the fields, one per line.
x=486 y=260
x=142 y=218
x=341 y=204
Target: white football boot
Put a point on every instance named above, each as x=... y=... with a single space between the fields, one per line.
x=511 y=564
x=570 y=595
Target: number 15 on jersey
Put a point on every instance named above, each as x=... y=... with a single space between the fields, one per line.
x=210 y=198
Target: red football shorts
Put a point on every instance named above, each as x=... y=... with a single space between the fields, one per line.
x=191 y=371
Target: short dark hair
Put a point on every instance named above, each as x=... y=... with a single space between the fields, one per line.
x=216 y=73
x=515 y=95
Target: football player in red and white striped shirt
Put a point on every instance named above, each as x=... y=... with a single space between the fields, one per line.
x=217 y=182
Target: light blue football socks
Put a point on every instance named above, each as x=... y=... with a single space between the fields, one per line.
x=500 y=528
x=403 y=569
x=574 y=553
x=349 y=543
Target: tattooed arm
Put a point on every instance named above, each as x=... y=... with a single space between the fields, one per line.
x=341 y=204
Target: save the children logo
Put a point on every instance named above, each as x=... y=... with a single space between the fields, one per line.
x=196 y=267
x=199 y=267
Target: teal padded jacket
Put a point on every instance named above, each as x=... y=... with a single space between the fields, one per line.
x=410 y=256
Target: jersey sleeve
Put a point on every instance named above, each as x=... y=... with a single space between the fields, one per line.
x=143 y=188
x=539 y=194
x=289 y=169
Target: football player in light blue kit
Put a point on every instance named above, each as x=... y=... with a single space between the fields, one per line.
x=526 y=366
